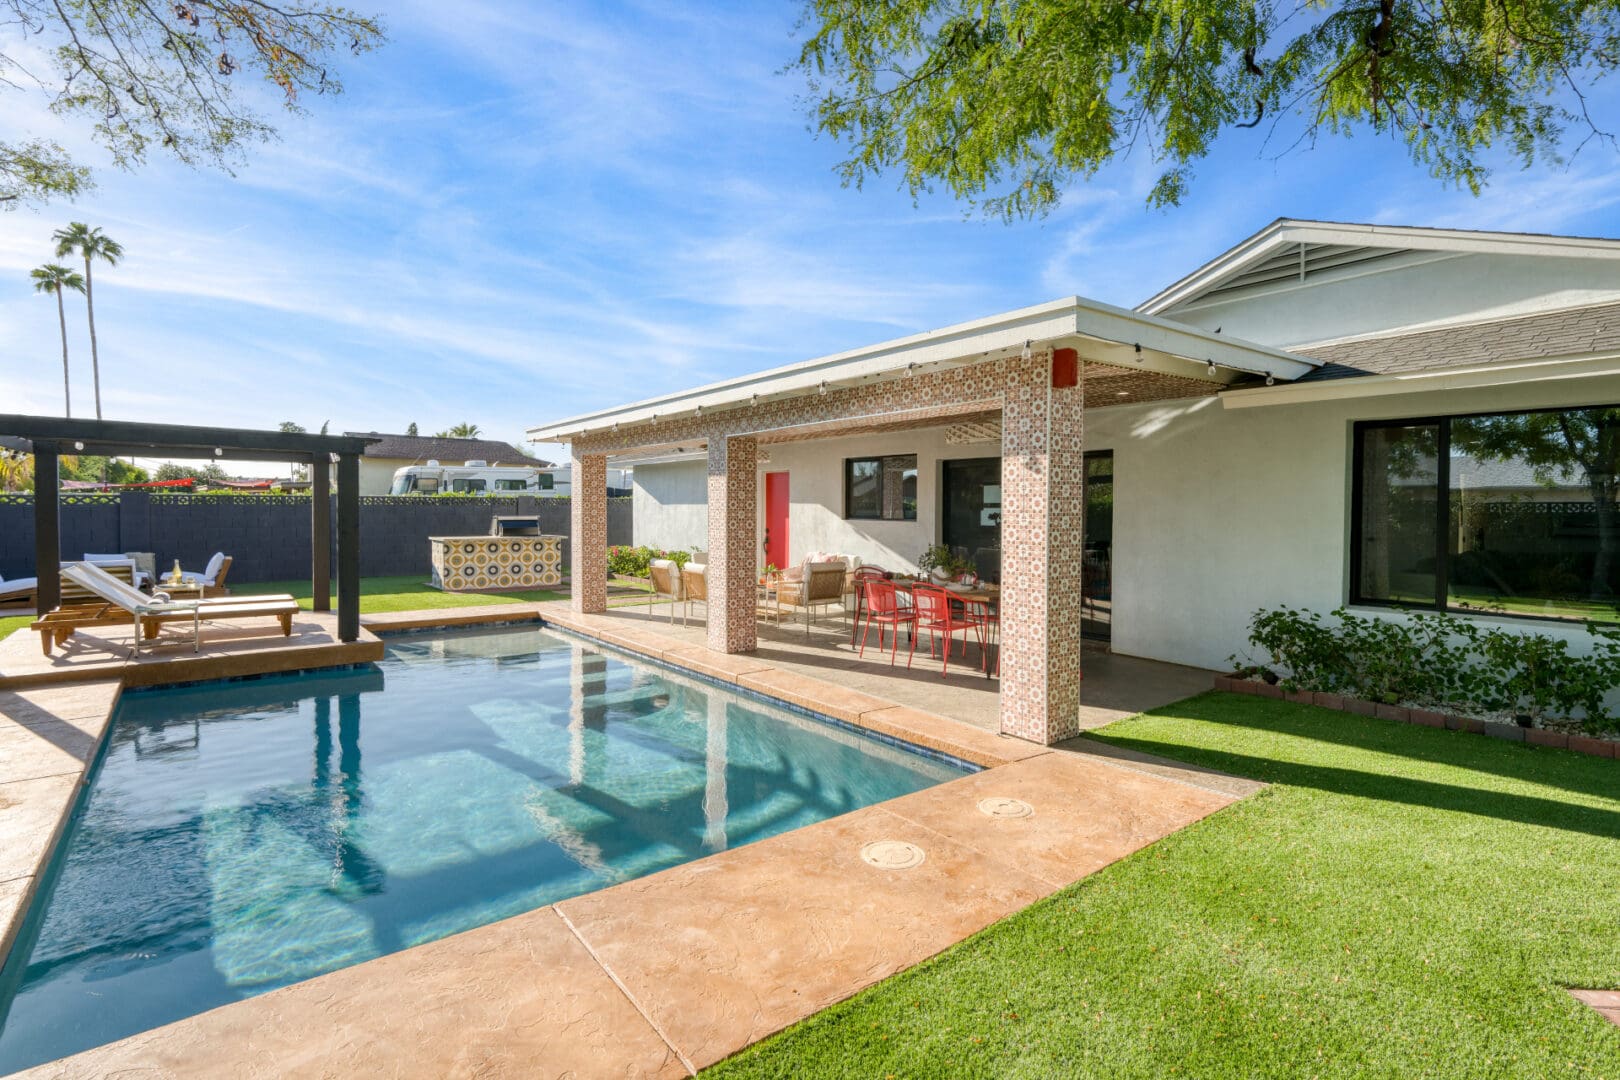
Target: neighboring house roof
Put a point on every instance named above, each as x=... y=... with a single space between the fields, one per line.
x=1293 y=250
x=416 y=448
x=1570 y=332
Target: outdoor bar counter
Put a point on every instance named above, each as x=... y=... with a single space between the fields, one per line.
x=483 y=563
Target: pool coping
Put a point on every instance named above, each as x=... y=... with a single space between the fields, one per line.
x=996 y=756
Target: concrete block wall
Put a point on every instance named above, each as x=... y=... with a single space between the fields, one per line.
x=268 y=535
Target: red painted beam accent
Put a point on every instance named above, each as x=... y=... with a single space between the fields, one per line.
x=1065 y=368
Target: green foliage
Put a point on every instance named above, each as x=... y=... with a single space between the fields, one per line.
x=53 y=278
x=1439 y=661
x=1004 y=102
x=161 y=74
x=940 y=557
x=205 y=474
x=291 y=427
x=411 y=429
x=636 y=561
x=462 y=430
x=88 y=467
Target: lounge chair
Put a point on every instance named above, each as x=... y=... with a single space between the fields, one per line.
x=122 y=604
x=135 y=571
x=18 y=591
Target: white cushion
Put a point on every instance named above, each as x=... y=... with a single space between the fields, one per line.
x=697 y=568
x=17 y=585
x=108 y=558
x=211 y=571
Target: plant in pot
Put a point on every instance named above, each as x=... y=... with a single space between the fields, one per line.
x=938 y=563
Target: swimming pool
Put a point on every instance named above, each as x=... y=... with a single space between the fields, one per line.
x=237 y=837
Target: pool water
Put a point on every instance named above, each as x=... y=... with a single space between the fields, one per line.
x=238 y=837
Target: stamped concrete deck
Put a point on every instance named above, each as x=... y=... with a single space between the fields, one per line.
x=667 y=974
x=1113 y=687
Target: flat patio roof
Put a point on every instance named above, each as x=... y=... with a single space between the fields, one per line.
x=1101 y=332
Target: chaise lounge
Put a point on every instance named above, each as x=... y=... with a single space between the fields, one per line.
x=119 y=603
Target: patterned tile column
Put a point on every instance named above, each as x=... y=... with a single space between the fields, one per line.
x=588 y=511
x=733 y=542
x=1042 y=519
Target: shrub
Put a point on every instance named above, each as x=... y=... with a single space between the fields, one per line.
x=636 y=561
x=1437 y=661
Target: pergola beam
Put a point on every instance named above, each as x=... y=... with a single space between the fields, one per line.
x=52 y=436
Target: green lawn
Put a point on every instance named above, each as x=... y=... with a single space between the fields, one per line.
x=400 y=594
x=1402 y=902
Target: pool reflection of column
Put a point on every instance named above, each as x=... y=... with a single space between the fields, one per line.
x=576 y=715
x=715 y=806
x=321 y=776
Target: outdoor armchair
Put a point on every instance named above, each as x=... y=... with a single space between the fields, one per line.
x=821 y=585
x=666 y=584
x=694 y=589
x=212 y=578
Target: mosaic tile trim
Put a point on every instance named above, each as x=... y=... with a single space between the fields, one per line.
x=475 y=563
x=588 y=526
x=735 y=552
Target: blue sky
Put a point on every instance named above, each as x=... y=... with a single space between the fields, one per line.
x=518 y=212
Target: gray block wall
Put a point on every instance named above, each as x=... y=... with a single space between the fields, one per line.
x=268 y=535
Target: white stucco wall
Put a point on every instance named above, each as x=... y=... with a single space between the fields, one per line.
x=1409 y=291
x=670 y=505
x=671 y=500
x=1220 y=511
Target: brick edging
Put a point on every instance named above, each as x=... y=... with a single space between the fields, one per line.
x=1581 y=744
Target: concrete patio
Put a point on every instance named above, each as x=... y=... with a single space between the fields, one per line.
x=1112 y=687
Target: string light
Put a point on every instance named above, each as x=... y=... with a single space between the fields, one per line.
x=1139 y=356
x=1212 y=369
x=823 y=388
x=1269 y=379
x=1026 y=350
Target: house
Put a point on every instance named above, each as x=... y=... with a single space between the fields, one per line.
x=393 y=452
x=1326 y=414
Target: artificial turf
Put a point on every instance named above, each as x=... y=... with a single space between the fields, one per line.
x=1401 y=902
x=404 y=593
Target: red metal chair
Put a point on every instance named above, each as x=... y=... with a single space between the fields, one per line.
x=883 y=608
x=858 y=581
x=936 y=614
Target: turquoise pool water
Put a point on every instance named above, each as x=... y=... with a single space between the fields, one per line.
x=241 y=836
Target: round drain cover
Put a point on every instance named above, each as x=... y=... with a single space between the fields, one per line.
x=1004 y=807
x=892 y=854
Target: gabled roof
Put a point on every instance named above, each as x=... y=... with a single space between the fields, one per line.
x=1293 y=250
x=416 y=448
x=1568 y=333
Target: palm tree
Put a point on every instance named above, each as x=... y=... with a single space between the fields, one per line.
x=81 y=238
x=52 y=278
x=460 y=431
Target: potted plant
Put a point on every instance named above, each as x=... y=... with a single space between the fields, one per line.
x=938 y=563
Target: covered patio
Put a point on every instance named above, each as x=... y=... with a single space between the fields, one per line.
x=1030 y=376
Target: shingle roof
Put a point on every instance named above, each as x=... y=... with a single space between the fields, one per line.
x=446 y=451
x=1555 y=333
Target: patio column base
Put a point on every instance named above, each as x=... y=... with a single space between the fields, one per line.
x=733 y=531
x=1042 y=548
x=587 y=558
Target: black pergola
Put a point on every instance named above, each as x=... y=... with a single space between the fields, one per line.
x=53 y=436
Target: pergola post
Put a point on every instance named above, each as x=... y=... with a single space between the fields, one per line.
x=733 y=543
x=1042 y=551
x=587 y=556
x=320 y=532
x=47 y=530
x=348 y=553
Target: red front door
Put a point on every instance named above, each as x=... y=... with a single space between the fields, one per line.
x=776 y=519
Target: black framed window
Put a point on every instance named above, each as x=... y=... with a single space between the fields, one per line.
x=881 y=488
x=1509 y=513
